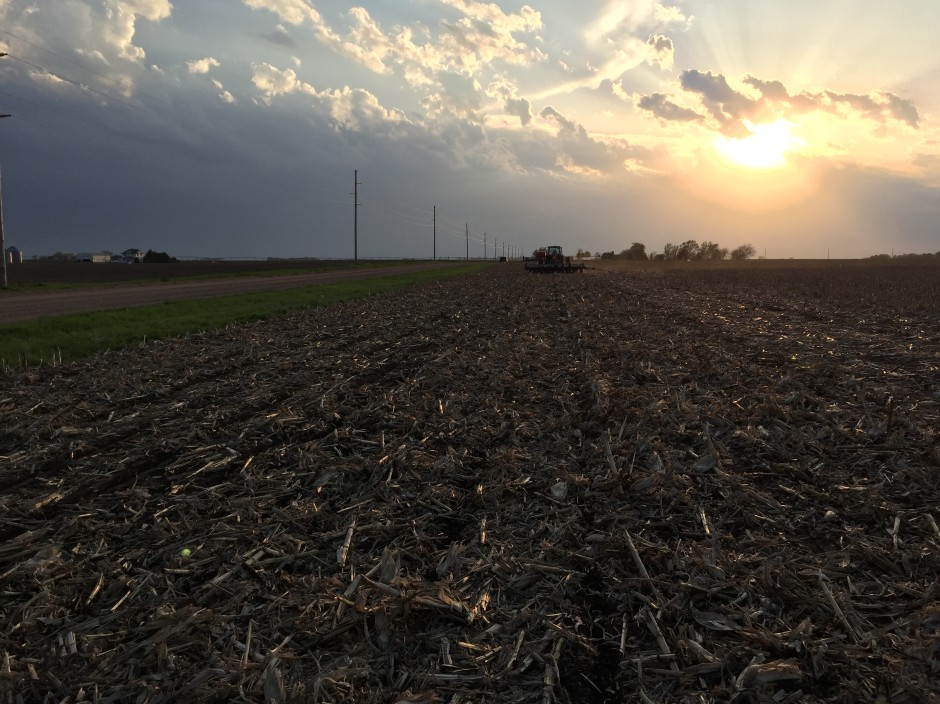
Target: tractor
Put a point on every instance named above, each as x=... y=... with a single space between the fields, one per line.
x=550 y=259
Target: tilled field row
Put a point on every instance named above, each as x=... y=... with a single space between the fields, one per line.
x=525 y=489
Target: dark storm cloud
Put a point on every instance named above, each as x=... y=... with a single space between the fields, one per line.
x=659 y=105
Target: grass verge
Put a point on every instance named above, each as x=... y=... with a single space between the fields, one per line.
x=70 y=337
x=170 y=272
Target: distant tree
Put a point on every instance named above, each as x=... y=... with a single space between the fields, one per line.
x=711 y=250
x=57 y=257
x=687 y=250
x=637 y=251
x=745 y=251
x=670 y=251
x=582 y=253
x=608 y=255
x=152 y=257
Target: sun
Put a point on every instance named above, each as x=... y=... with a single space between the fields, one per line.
x=767 y=170
x=765 y=148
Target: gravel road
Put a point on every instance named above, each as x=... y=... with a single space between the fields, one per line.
x=17 y=307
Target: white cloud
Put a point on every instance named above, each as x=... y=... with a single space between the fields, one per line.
x=291 y=11
x=661 y=51
x=618 y=18
x=103 y=33
x=120 y=23
x=202 y=65
x=272 y=82
x=224 y=95
x=347 y=108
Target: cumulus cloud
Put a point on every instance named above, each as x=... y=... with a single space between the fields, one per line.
x=291 y=11
x=347 y=108
x=772 y=90
x=577 y=151
x=661 y=50
x=729 y=108
x=273 y=82
x=879 y=106
x=663 y=108
x=563 y=124
x=355 y=108
x=505 y=91
x=521 y=108
x=297 y=12
x=224 y=95
x=482 y=36
x=112 y=24
x=102 y=33
x=202 y=65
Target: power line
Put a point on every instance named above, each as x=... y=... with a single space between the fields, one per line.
x=82 y=86
x=64 y=58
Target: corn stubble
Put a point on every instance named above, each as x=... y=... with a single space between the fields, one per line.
x=613 y=487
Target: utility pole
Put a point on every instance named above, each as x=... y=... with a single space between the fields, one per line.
x=435 y=233
x=467 y=229
x=356 y=215
x=484 y=245
x=3 y=248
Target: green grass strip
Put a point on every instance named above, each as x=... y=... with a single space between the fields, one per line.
x=71 y=337
x=172 y=274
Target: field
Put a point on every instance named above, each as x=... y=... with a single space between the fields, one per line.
x=73 y=323
x=643 y=485
x=45 y=273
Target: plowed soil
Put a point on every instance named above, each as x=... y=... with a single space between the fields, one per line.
x=597 y=487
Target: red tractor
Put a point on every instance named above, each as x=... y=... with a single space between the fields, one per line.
x=550 y=259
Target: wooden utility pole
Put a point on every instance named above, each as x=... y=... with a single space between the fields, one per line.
x=3 y=247
x=356 y=215
x=467 y=230
x=435 y=233
x=484 y=245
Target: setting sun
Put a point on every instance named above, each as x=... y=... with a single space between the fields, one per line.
x=766 y=146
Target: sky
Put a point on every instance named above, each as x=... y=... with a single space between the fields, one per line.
x=234 y=128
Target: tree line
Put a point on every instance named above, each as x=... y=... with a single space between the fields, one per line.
x=690 y=250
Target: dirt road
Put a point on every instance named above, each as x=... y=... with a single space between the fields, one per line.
x=17 y=307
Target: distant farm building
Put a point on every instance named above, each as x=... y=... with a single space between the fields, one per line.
x=13 y=255
x=132 y=256
x=93 y=257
